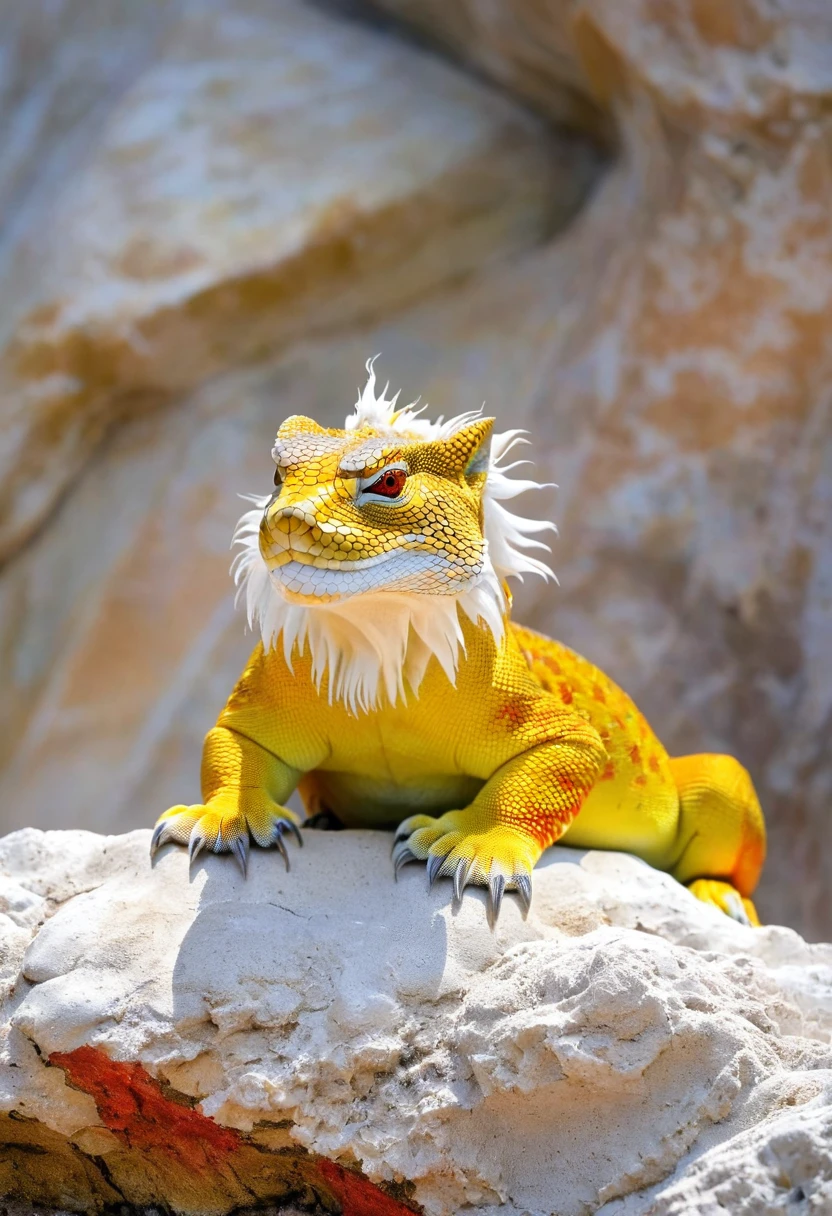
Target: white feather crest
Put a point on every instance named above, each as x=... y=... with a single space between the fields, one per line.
x=384 y=641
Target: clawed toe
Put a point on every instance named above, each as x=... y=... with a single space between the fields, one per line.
x=735 y=909
x=195 y=846
x=496 y=888
x=402 y=854
x=281 y=826
x=157 y=839
x=449 y=853
x=239 y=847
x=205 y=828
x=289 y=825
x=461 y=875
x=721 y=894
x=167 y=831
x=434 y=865
x=523 y=886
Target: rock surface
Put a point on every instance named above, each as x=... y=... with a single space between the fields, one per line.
x=325 y=1035
x=530 y=48
x=262 y=171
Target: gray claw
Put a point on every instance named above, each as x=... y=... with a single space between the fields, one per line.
x=239 y=848
x=523 y=886
x=400 y=835
x=496 y=887
x=156 y=840
x=295 y=830
x=281 y=844
x=196 y=844
x=401 y=856
x=736 y=911
x=461 y=875
x=434 y=865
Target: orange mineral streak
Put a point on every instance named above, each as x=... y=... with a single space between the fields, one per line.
x=131 y=1104
x=356 y=1195
x=134 y=1108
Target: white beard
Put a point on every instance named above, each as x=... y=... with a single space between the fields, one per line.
x=368 y=643
x=383 y=642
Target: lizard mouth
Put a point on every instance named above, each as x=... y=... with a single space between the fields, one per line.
x=419 y=574
x=410 y=571
x=311 y=562
x=304 y=579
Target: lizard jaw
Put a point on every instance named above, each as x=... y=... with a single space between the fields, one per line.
x=401 y=571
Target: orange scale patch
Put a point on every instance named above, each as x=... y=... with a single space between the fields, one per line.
x=514 y=713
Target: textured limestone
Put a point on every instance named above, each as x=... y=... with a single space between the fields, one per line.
x=625 y=1049
x=530 y=48
x=262 y=171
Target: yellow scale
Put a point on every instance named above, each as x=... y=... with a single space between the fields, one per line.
x=478 y=770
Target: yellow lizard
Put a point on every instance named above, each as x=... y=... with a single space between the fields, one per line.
x=391 y=684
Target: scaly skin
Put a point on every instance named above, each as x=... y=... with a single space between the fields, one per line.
x=531 y=744
x=499 y=767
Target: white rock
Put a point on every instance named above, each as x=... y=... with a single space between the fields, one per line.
x=624 y=1046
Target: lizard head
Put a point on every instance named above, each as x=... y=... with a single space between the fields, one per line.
x=376 y=534
x=370 y=509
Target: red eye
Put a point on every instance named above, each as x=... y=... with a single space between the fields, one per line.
x=390 y=484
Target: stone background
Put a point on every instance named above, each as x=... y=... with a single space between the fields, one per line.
x=611 y=220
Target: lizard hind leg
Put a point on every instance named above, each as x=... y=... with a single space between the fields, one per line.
x=721 y=837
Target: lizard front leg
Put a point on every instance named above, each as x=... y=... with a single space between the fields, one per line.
x=524 y=807
x=243 y=789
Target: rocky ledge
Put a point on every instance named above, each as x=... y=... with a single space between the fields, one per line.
x=328 y=1040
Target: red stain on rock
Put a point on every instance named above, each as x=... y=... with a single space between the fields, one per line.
x=134 y=1107
x=131 y=1104
x=357 y=1195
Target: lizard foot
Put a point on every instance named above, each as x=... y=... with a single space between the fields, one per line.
x=457 y=846
x=725 y=897
x=226 y=829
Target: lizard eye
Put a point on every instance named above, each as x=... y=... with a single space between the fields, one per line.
x=389 y=485
x=278 y=476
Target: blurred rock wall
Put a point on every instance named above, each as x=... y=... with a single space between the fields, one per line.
x=216 y=212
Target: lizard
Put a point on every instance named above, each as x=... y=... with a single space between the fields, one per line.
x=392 y=688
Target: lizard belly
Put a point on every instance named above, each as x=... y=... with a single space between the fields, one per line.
x=362 y=801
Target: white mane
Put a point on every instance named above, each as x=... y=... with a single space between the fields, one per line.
x=385 y=641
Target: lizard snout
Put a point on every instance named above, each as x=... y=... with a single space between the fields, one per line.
x=293 y=530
